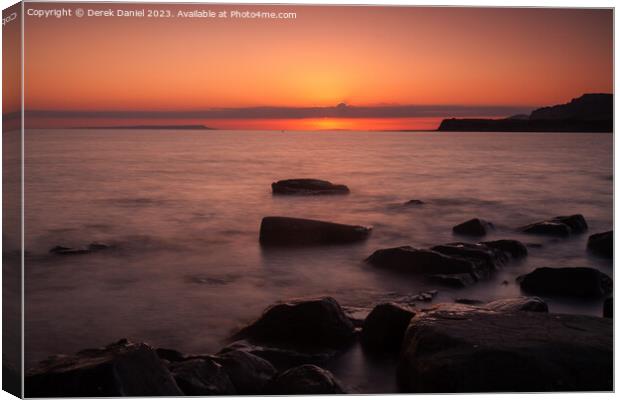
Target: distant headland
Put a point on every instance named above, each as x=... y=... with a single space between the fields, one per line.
x=591 y=112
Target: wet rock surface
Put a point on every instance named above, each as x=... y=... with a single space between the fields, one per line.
x=385 y=326
x=459 y=348
x=572 y=282
x=248 y=373
x=119 y=369
x=307 y=187
x=535 y=304
x=559 y=226
x=305 y=379
x=285 y=231
x=304 y=325
x=602 y=244
x=473 y=227
x=201 y=377
x=454 y=264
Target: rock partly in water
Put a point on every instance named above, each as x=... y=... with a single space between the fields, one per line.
x=120 y=369
x=453 y=264
x=460 y=349
x=414 y=202
x=68 y=251
x=385 y=326
x=518 y=304
x=514 y=248
x=558 y=226
x=602 y=244
x=285 y=231
x=575 y=282
x=473 y=227
x=608 y=307
x=202 y=377
x=309 y=187
x=248 y=373
x=305 y=325
x=418 y=261
x=305 y=379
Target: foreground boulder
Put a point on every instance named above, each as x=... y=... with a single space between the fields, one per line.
x=535 y=304
x=459 y=349
x=202 y=377
x=307 y=187
x=248 y=373
x=120 y=369
x=305 y=379
x=385 y=326
x=558 y=226
x=608 y=307
x=283 y=231
x=575 y=282
x=304 y=325
x=473 y=227
x=602 y=244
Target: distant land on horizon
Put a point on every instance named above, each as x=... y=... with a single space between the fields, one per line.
x=156 y=127
x=592 y=112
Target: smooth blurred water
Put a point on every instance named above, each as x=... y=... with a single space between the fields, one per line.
x=183 y=210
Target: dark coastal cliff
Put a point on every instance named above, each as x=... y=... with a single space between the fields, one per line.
x=588 y=113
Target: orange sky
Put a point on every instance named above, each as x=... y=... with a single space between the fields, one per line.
x=363 y=56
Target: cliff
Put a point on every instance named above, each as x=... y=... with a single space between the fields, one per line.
x=588 y=113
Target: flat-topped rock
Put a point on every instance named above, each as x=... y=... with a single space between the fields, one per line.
x=459 y=349
x=408 y=259
x=286 y=231
x=306 y=325
x=567 y=281
x=558 y=226
x=473 y=227
x=120 y=369
x=602 y=244
x=308 y=187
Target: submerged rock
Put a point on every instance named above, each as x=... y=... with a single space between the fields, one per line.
x=608 y=307
x=453 y=280
x=473 y=227
x=201 y=377
x=459 y=349
x=305 y=379
x=283 y=231
x=535 y=304
x=307 y=187
x=120 y=369
x=602 y=244
x=304 y=325
x=385 y=326
x=576 y=282
x=248 y=373
x=558 y=226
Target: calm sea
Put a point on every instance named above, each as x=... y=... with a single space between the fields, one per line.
x=183 y=209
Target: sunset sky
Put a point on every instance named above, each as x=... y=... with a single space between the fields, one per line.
x=388 y=67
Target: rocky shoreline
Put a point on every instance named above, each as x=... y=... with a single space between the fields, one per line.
x=506 y=345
